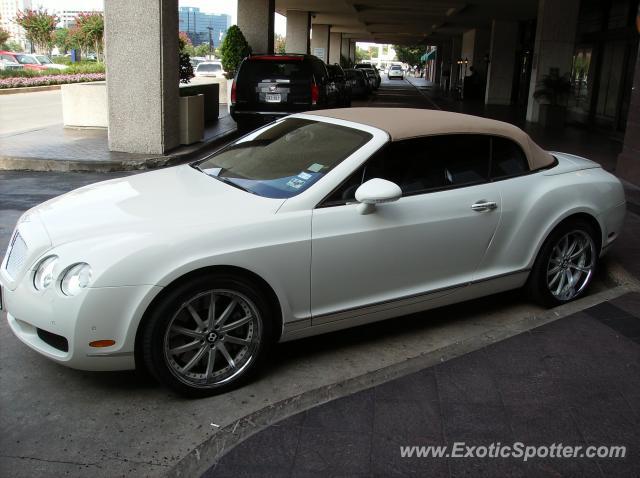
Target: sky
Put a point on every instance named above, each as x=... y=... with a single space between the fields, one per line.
x=229 y=7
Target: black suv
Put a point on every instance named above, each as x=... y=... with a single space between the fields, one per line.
x=375 y=69
x=342 y=84
x=267 y=87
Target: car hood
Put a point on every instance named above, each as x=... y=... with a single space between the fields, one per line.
x=157 y=202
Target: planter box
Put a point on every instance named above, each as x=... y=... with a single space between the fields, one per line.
x=191 y=119
x=553 y=117
x=211 y=92
x=84 y=105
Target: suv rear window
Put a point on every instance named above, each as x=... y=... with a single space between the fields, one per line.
x=263 y=70
x=208 y=67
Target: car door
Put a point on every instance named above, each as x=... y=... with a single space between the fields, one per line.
x=430 y=241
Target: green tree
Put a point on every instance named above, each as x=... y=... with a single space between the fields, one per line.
x=12 y=45
x=38 y=26
x=409 y=54
x=233 y=50
x=362 y=55
x=91 y=26
x=185 y=67
x=202 y=50
x=61 y=39
x=4 y=36
x=280 y=44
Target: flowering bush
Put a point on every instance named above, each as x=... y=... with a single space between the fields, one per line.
x=87 y=67
x=21 y=82
x=39 y=26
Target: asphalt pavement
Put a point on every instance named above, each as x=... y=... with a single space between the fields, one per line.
x=29 y=111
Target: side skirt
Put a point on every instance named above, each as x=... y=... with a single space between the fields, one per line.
x=402 y=306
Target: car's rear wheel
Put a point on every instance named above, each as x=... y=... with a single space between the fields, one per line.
x=209 y=335
x=565 y=264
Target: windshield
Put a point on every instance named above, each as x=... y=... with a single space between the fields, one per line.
x=26 y=60
x=285 y=158
x=209 y=67
x=43 y=59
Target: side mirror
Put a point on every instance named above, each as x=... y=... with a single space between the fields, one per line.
x=376 y=191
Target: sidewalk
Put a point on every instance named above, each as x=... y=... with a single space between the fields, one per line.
x=539 y=388
x=56 y=148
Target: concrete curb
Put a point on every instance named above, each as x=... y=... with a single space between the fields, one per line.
x=207 y=454
x=28 y=89
x=12 y=163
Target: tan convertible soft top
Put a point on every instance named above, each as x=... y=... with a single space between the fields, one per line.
x=404 y=123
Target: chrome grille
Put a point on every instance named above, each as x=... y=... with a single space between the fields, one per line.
x=17 y=255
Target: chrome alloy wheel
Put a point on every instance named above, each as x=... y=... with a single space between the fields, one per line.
x=212 y=338
x=571 y=265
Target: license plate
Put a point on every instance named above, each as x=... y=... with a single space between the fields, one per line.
x=273 y=98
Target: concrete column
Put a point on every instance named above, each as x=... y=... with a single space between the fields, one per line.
x=554 y=44
x=256 y=19
x=629 y=160
x=320 y=41
x=444 y=58
x=456 y=54
x=352 y=51
x=475 y=45
x=335 y=46
x=298 y=31
x=437 y=65
x=344 y=50
x=504 y=35
x=142 y=101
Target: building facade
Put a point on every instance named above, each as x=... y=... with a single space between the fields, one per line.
x=8 y=11
x=197 y=25
x=67 y=18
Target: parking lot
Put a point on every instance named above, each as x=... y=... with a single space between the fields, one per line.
x=62 y=422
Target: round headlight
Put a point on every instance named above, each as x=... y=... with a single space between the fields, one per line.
x=75 y=279
x=43 y=277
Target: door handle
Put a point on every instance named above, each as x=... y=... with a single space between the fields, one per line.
x=481 y=206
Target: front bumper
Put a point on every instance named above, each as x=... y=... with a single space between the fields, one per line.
x=110 y=313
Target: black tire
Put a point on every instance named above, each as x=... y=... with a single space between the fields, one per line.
x=161 y=360
x=538 y=287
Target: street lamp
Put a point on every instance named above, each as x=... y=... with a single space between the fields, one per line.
x=210 y=28
x=465 y=62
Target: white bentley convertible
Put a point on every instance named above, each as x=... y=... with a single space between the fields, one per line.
x=315 y=223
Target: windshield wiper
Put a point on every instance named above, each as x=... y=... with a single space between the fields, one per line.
x=222 y=179
x=231 y=183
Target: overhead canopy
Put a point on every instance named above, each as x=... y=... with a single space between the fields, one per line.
x=408 y=22
x=405 y=123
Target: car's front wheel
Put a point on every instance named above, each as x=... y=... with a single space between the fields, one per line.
x=565 y=264
x=209 y=335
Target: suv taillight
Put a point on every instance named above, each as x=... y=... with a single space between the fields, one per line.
x=234 y=93
x=315 y=94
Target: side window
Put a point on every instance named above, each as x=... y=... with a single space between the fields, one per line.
x=319 y=71
x=422 y=165
x=507 y=158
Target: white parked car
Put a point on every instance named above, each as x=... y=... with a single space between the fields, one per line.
x=395 y=71
x=318 y=222
x=44 y=60
x=7 y=64
x=209 y=68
